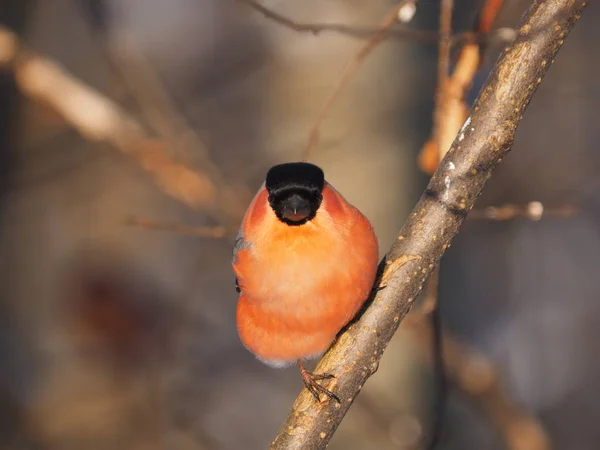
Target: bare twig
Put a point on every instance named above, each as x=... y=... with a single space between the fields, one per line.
x=349 y=71
x=452 y=109
x=532 y=211
x=436 y=219
x=207 y=232
x=364 y=32
x=100 y=119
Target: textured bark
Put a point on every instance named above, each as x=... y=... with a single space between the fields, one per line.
x=485 y=139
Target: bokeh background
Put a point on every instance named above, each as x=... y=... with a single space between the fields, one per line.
x=115 y=336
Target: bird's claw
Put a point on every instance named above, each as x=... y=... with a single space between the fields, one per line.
x=310 y=381
x=323 y=376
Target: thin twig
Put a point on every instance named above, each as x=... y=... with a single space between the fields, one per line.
x=207 y=232
x=441 y=113
x=452 y=91
x=349 y=30
x=351 y=68
x=532 y=211
x=363 y=32
x=435 y=220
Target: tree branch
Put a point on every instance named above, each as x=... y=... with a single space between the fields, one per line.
x=486 y=137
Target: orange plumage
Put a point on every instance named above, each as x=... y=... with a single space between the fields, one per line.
x=302 y=274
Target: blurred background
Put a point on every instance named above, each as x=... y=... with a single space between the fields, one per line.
x=122 y=336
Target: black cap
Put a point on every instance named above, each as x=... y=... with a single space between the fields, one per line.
x=296 y=173
x=295 y=191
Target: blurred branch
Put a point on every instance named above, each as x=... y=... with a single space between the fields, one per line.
x=349 y=30
x=364 y=32
x=435 y=220
x=452 y=108
x=477 y=378
x=350 y=70
x=206 y=232
x=441 y=116
x=532 y=211
x=100 y=119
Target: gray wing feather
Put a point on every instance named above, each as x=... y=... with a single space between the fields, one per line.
x=240 y=244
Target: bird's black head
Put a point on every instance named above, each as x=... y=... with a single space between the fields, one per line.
x=295 y=191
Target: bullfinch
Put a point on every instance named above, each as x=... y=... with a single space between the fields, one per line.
x=305 y=261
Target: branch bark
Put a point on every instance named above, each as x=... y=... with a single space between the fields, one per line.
x=485 y=138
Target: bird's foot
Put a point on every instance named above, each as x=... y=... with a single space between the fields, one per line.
x=310 y=381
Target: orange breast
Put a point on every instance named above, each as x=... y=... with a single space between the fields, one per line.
x=302 y=284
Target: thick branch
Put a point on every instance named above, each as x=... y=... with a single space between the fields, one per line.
x=485 y=139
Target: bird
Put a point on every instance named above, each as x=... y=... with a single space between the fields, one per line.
x=305 y=261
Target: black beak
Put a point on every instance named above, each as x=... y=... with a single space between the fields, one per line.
x=296 y=208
